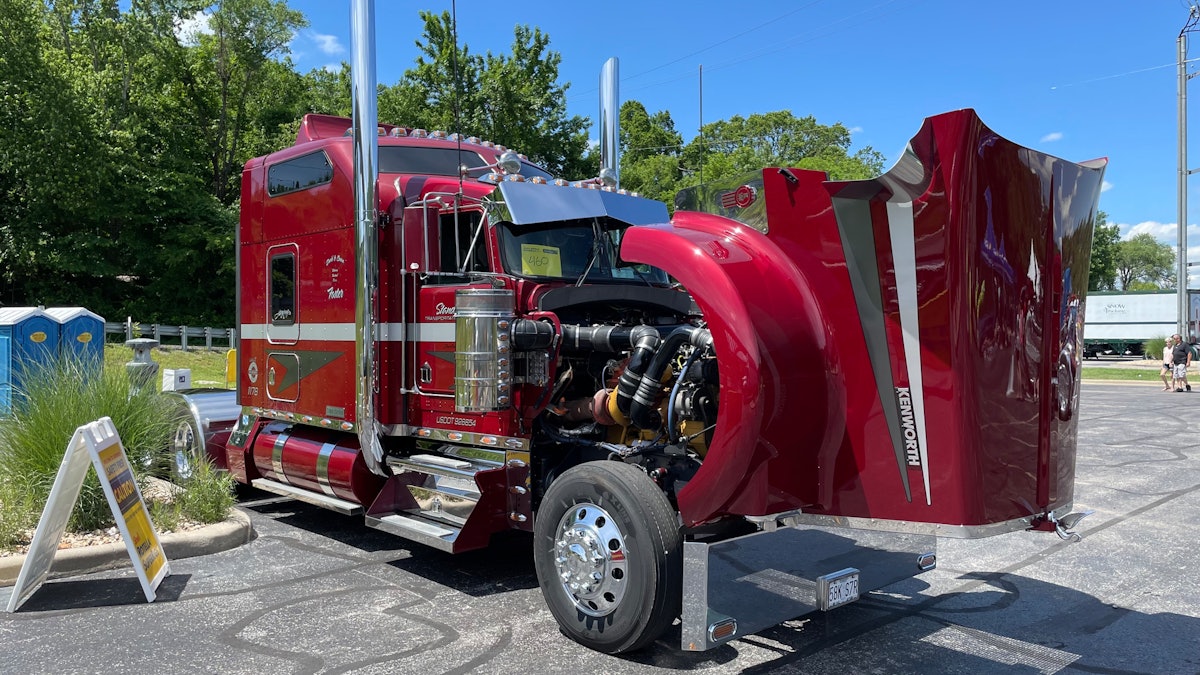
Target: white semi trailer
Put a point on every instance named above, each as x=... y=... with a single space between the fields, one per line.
x=1120 y=323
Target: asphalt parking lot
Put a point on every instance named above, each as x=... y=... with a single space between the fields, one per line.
x=321 y=593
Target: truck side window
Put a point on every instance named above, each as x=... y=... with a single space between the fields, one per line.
x=454 y=245
x=283 y=289
x=299 y=173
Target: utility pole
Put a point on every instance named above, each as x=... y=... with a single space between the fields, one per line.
x=1181 y=274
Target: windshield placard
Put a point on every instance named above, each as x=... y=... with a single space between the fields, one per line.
x=540 y=261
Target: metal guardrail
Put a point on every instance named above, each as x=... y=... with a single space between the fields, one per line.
x=131 y=329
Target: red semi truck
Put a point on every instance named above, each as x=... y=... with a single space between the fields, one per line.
x=765 y=404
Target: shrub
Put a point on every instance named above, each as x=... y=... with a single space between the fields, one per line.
x=208 y=495
x=56 y=399
x=1153 y=347
x=17 y=513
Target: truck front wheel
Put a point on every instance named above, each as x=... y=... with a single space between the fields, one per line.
x=608 y=555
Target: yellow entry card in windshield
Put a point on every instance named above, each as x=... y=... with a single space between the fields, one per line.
x=540 y=261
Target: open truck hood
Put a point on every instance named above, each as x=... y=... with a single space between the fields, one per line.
x=905 y=348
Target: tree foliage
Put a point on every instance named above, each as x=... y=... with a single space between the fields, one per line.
x=1102 y=274
x=512 y=99
x=776 y=138
x=656 y=163
x=1144 y=263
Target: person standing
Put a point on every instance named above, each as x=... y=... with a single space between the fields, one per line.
x=1181 y=358
x=1167 y=361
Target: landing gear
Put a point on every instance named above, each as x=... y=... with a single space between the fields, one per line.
x=608 y=554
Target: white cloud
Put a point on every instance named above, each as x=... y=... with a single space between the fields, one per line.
x=1051 y=137
x=328 y=44
x=332 y=68
x=856 y=130
x=189 y=30
x=1105 y=186
x=1161 y=231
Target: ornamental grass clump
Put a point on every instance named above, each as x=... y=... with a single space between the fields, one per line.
x=52 y=402
x=207 y=496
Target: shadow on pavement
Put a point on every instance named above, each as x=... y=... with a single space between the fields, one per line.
x=81 y=593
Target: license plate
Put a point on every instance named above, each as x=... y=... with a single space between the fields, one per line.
x=837 y=589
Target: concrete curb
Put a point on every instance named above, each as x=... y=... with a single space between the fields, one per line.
x=229 y=533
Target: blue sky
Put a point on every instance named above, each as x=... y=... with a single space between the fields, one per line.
x=1076 y=79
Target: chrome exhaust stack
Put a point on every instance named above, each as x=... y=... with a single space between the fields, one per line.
x=610 y=124
x=366 y=245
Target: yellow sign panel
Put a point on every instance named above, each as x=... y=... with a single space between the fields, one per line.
x=37 y=336
x=132 y=510
x=540 y=261
x=84 y=338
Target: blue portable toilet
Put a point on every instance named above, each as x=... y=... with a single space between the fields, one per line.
x=80 y=333
x=28 y=337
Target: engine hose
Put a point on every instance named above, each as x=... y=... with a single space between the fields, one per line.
x=610 y=339
x=644 y=348
x=641 y=411
x=672 y=402
x=529 y=334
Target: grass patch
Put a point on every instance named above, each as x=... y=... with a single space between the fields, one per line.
x=208 y=368
x=206 y=497
x=1124 y=374
x=17 y=514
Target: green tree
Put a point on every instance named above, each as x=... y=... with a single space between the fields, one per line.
x=650 y=148
x=1144 y=263
x=227 y=68
x=1102 y=274
x=105 y=201
x=512 y=99
x=776 y=138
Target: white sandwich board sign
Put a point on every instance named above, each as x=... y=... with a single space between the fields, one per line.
x=100 y=442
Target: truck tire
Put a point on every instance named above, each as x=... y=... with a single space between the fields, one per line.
x=608 y=554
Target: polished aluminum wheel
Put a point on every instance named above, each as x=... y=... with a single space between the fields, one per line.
x=185 y=450
x=590 y=558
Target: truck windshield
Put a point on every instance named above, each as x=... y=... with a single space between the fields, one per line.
x=570 y=251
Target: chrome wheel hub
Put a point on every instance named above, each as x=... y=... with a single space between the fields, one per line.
x=590 y=559
x=185 y=449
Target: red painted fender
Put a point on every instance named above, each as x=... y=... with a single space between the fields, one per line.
x=781 y=386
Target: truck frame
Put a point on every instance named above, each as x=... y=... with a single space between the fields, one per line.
x=765 y=404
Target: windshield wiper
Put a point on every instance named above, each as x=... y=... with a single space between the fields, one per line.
x=596 y=245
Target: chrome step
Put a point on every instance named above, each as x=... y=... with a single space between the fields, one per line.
x=415 y=528
x=300 y=494
x=441 y=483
